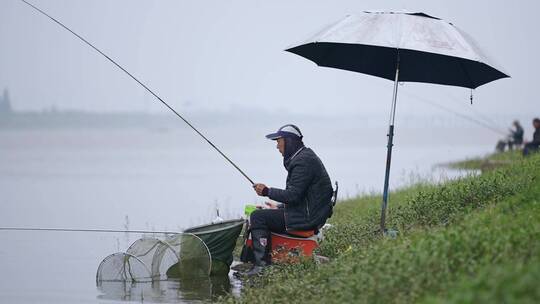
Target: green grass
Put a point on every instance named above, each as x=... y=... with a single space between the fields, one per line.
x=511 y=282
x=489 y=162
x=468 y=164
x=471 y=240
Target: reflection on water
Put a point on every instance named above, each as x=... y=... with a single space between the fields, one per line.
x=187 y=290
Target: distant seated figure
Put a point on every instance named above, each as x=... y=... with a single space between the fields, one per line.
x=534 y=145
x=514 y=139
x=516 y=136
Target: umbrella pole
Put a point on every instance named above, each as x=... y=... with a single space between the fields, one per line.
x=389 y=151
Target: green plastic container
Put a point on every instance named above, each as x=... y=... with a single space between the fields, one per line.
x=248 y=209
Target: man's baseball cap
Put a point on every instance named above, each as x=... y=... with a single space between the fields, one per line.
x=286 y=131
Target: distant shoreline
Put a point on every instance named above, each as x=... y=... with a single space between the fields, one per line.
x=78 y=119
x=56 y=119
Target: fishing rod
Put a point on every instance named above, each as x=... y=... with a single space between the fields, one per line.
x=86 y=230
x=143 y=85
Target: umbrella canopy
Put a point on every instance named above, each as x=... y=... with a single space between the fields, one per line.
x=430 y=50
x=401 y=46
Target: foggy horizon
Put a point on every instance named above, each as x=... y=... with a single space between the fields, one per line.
x=198 y=56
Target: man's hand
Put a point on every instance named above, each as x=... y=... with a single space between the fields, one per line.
x=261 y=189
x=271 y=205
x=268 y=205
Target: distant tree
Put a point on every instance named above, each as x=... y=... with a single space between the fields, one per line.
x=5 y=103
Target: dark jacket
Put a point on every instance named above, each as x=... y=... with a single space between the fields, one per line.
x=536 y=136
x=517 y=135
x=308 y=193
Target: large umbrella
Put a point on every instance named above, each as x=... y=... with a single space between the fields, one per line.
x=400 y=46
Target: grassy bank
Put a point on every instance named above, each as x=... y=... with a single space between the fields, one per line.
x=488 y=163
x=471 y=240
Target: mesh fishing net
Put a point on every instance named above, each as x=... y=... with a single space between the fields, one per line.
x=221 y=240
x=122 y=267
x=157 y=255
x=151 y=259
x=194 y=258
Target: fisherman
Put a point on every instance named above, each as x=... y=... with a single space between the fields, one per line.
x=516 y=136
x=305 y=203
x=534 y=145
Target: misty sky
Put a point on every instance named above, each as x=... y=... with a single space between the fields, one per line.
x=223 y=55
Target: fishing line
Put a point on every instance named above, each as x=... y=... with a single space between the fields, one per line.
x=485 y=118
x=143 y=85
x=86 y=230
x=476 y=121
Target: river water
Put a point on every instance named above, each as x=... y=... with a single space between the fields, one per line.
x=168 y=179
